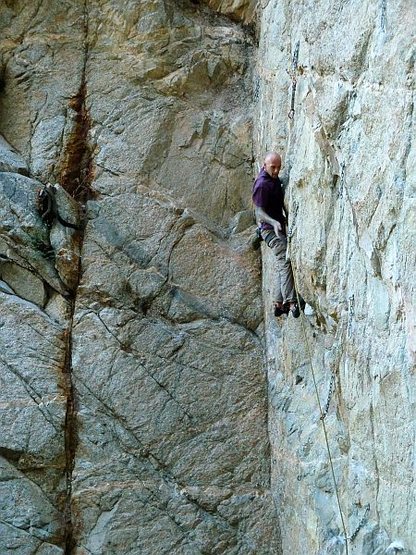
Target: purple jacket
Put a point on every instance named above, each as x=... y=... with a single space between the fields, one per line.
x=268 y=195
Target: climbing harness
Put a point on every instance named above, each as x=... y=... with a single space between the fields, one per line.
x=292 y=74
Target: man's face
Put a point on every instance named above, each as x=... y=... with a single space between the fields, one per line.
x=272 y=166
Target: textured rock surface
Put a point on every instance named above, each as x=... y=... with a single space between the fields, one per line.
x=135 y=417
x=134 y=404
x=240 y=10
x=351 y=154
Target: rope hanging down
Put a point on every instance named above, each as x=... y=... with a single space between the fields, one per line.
x=332 y=386
x=322 y=414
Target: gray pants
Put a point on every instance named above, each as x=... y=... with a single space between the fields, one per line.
x=285 y=285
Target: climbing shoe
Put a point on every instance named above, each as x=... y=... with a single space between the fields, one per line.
x=294 y=310
x=280 y=310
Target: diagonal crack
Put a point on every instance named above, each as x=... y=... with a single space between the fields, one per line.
x=155 y=464
x=143 y=361
x=37 y=398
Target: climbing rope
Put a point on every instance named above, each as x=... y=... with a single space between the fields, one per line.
x=322 y=414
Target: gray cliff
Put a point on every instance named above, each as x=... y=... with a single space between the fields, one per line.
x=150 y=402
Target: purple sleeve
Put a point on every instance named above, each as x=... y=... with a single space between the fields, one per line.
x=260 y=197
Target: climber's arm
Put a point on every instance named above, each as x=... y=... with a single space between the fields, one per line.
x=262 y=216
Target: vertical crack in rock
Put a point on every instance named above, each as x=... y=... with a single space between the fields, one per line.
x=76 y=174
x=2 y=77
x=76 y=169
x=70 y=435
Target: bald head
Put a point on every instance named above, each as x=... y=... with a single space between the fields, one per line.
x=272 y=164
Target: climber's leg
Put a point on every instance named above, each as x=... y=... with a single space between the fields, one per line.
x=286 y=293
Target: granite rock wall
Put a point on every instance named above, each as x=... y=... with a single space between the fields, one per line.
x=347 y=70
x=139 y=412
x=132 y=386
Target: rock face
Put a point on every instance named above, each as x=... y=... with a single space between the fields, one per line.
x=350 y=153
x=136 y=414
x=133 y=392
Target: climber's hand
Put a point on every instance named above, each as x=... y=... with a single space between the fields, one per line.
x=277 y=226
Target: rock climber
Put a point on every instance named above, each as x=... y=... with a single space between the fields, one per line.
x=270 y=216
